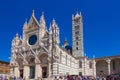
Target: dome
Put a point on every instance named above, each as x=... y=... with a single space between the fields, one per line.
x=68 y=48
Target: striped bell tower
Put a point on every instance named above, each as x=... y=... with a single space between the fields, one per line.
x=77 y=35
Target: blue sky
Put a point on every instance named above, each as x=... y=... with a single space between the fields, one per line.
x=101 y=20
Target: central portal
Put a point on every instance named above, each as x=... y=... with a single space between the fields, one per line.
x=21 y=73
x=44 y=72
x=32 y=72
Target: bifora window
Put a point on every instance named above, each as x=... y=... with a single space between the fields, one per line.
x=76 y=43
x=77 y=32
x=77 y=27
x=77 y=38
x=76 y=48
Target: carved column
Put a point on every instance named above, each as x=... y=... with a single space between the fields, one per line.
x=16 y=71
x=49 y=68
x=38 y=70
x=94 y=68
x=26 y=72
x=108 y=61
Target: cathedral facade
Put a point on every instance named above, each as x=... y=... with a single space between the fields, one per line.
x=37 y=54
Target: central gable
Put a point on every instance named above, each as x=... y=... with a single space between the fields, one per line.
x=33 y=24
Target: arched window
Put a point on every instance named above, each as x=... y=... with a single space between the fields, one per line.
x=77 y=38
x=76 y=43
x=60 y=56
x=90 y=64
x=76 y=48
x=32 y=61
x=80 y=64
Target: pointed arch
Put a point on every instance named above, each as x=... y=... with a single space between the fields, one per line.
x=43 y=58
x=115 y=65
x=101 y=66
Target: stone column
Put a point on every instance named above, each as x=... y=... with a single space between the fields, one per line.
x=38 y=71
x=26 y=72
x=108 y=61
x=49 y=69
x=84 y=66
x=94 y=68
x=16 y=71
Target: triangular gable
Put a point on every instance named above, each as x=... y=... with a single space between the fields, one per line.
x=33 y=23
x=46 y=35
x=43 y=50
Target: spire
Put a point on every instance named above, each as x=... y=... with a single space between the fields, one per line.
x=17 y=36
x=81 y=14
x=65 y=42
x=42 y=17
x=25 y=24
x=53 y=22
x=77 y=15
x=33 y=13
x=42 y=20
x=72 y=16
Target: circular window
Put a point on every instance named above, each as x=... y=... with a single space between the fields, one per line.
x=32 y=39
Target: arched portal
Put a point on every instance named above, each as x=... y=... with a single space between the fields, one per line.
x=31 y=63
x=20 y=66
x=101 y=68
x=44 y=64
x=115 y=65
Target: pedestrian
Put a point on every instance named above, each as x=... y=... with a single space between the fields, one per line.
x=55 y=78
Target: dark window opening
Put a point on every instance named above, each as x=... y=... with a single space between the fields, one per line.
x=76 y=48
x=80 y=64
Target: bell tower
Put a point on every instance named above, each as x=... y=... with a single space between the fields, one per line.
x=77 y=35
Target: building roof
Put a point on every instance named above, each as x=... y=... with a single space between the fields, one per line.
x=4 y=62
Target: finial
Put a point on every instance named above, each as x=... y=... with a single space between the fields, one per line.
x=26 y=20
x=25 y=24
x=77 y=15
x=53 y=20
x=80 y=13
x=16 y=34
x=20 y=37
x=72 y=15
x=76 y=12
x=66 y=42
x=42 y=16
x=42 y=12
x=33 y=12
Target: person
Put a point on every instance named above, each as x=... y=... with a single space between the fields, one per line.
x=79 y=78
x=14 y=78
x=108 y=78
x=55 y=78
x=60 y=78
